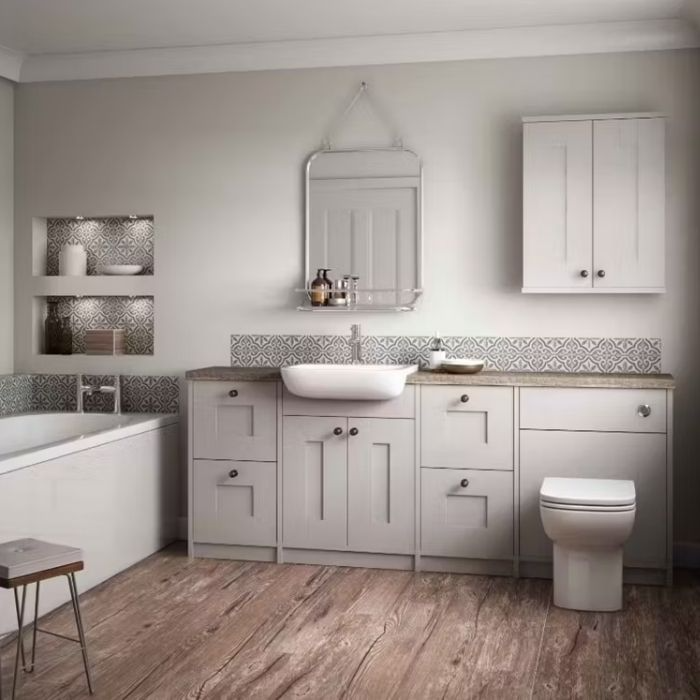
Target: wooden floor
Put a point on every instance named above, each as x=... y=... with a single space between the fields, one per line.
x=169 y=628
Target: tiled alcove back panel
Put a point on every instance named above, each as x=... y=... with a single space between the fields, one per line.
x=133 y=314
x=108 y=241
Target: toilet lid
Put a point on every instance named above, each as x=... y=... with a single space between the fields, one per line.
x=588 y=492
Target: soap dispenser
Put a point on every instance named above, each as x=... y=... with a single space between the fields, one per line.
x=437 y=352
x=320 y=288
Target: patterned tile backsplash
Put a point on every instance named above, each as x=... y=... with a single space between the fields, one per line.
x=24 y=393
x=108 y=241
x=133 y=314
x=514 y=354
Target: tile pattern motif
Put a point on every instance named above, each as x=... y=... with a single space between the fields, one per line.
x=506 y=354
x=133 y=314
x=150 y=394
x=107 y=241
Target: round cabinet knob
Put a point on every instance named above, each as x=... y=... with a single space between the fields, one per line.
x=601 y=273
x=644 y=410
x=464 y=483
x=337 y=431
x=233 y=393
x=354 y=431
x=464 y=398
x=233 y=474
x=584 y=273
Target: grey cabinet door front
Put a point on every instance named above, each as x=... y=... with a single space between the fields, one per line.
x=381 y=475
x=314 y=482
x=235 y=420
x=467 y=513
x=235 y=502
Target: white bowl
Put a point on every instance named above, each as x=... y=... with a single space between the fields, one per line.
x=463 y=366
x=120 y=269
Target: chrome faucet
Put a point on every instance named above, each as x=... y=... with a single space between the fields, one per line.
x=356 y=343
x=89 y=390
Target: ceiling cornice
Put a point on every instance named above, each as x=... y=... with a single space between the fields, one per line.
x=609 y=37
x=10 y=64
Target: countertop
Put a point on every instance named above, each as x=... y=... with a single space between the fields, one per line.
x=545 y=379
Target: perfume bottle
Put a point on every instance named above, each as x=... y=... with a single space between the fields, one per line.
x=437 y=352
x=66 y=346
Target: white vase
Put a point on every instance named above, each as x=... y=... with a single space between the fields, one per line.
x=72 y=260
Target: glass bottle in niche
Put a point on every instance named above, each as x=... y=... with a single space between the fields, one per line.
x=66 y=336
x=52 y=329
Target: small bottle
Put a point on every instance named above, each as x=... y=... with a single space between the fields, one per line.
x=52 y=329
x=318 y=288
x=437 y=352
x=329 y=285
x=66 y=336
x=354 y=293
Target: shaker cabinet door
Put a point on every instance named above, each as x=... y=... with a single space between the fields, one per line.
x=315 y=482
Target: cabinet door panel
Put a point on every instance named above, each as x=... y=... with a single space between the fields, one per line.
x=476 y=434
x=235 y=420
x=474 y=521
x=381 y=475
x=639 y=457
x=629 y=199
x=557 y=219
x=314 y=483
x=235 y=502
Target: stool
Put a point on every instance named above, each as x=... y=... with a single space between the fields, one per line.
x=27 y=561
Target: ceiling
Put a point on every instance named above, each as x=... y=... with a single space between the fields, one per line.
x=35 y=31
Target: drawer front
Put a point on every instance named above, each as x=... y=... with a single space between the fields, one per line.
x=640 y=457
x=467 y=427
x=402 y=406
x=235 y=502
x=235 y=420
x=471 y=521
x=613 y=410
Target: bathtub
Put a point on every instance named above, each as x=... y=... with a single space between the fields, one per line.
x=106 y=483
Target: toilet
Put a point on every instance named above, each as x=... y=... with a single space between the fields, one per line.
x=588 y=521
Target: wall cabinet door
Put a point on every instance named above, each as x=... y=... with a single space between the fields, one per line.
x=640 y=457
x=467 y=427
x=381 y=476
x=557 y=218
x=235 y=421
x=467 y=513
x=314 y=482
x=235 y=502
x=629 y=203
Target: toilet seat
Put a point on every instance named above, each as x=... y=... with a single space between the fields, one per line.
x=587 y=494
x=586 y=508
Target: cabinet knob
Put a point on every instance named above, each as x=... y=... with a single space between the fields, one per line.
x=644 y=410
x=233 y=474
x=584 y=273
x=233 y=393
x=464 y=483
x=354 y=431
x=337 y=431
x=601 y=273
x=464 y=398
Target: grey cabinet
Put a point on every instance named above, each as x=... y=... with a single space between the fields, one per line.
x=235 y=502
x=467 y=513
x=348 y=484
x=235 y=420
x=467 y=427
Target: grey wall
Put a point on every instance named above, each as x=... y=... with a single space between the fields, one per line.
x=218 y=160
x=6 y=224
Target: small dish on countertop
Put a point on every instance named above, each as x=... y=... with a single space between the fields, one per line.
x=120 y=269
x=462 y=366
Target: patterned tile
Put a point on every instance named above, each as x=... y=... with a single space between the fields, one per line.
x=133 y=314
x=150 y=394
x=107 y=241
x=54 y=392
x=526 y=354
x=15 y=394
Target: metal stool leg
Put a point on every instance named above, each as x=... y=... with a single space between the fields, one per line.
x=19 y=625
x=79 y=624
x=36 y=617
x=20 y=640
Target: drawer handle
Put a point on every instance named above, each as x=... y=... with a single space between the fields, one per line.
x=464 y=483
x=233 y=474
x=337 y=431
x=354 y=431
x=644 y=410
x=464 y=398
x=601 y=273
x=584 y=273
x=233 y=393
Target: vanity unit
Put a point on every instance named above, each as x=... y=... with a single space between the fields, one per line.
x=445 y=477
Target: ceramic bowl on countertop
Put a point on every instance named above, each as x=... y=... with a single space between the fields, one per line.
x=462 y=366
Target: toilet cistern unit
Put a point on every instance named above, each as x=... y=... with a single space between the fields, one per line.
x=588 y=521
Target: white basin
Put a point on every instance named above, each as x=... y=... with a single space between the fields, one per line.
x=353 y=382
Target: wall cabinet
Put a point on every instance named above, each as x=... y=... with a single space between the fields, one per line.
x=594 y=204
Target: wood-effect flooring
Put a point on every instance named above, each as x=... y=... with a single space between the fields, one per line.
x=172 y=628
